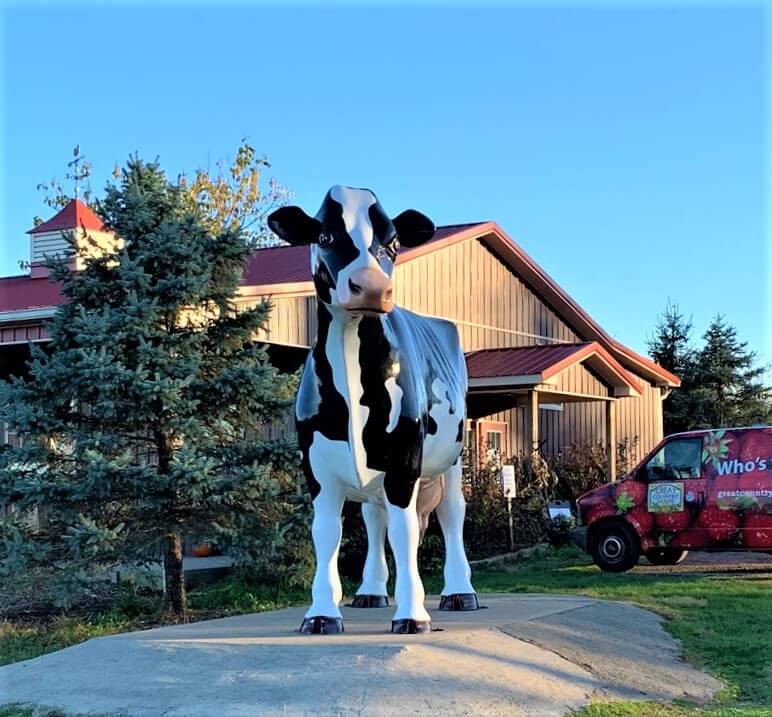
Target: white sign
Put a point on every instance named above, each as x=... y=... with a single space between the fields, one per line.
x=559 y=509
x=508 y=482
x=666 y=497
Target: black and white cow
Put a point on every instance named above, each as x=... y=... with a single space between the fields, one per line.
x=380 y=410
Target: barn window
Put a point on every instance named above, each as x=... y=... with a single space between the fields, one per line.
x=491 y=441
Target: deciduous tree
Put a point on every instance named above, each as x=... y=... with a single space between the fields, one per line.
x=230 y=195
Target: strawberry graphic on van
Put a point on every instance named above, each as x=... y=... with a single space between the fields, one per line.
x=630 y=493
x=757 y=529
x=719 y=524
x=673 y=521
x=697 y=490
x=756 y=446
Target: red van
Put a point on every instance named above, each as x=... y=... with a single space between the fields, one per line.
x=701 y=490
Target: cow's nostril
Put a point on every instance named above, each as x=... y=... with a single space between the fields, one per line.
x=355 y=288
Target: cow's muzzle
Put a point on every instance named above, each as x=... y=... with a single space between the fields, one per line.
x=369 y=290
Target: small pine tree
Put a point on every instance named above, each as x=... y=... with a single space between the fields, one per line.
x=670 y=345
x=671 y=348
x=141 y=419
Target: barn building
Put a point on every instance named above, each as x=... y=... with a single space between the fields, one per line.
x=542 y=372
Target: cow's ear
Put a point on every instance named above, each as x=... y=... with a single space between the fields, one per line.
x=294 y=226
x=413 y=228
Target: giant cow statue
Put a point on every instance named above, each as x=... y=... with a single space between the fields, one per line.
x=380 y=411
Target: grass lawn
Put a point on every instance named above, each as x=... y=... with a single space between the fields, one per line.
x=724 y=622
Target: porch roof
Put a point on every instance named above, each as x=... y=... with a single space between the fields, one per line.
x=524 y=367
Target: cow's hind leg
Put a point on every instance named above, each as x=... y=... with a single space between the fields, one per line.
x=458 y=593
x=404 y=535
x=372 y=591
x=324 y=616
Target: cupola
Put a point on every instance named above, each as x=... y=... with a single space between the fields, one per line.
x=49 y=238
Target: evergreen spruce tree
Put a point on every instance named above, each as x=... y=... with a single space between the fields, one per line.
x=727 y=388
x=670 y=345
x=671 y=348
x=141 y=419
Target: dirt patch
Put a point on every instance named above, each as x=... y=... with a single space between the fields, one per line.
x=698 y=563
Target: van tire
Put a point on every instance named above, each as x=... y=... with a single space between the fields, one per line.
x=615 y=547
x=665 y=556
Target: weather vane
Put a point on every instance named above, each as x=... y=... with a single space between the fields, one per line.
x=78 y=172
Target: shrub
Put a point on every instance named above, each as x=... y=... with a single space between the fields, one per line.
x=486 y=529
x=559 y=531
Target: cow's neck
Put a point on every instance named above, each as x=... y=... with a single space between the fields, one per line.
x=339 y=338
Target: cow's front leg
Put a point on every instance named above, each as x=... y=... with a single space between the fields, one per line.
x=404 y=535
x=324 y=616
x=458 y=593
x=372 y=591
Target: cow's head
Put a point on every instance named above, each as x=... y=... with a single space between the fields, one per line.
x=353 y=246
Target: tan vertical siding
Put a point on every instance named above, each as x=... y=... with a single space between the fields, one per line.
x=470 y=285
x=577 y=379
x=492 y=307
x=641 y=417
x=292 y=319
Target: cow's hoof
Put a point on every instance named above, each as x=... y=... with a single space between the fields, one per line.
x=459 y=601
x=408 y=626
x=369 y=601
x=321 y=625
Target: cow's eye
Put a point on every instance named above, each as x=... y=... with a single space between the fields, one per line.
x=392 y=247
x=325 y=240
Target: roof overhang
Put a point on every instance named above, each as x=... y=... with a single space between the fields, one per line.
x=601 y=362
x=42 y=312
x=570 y=311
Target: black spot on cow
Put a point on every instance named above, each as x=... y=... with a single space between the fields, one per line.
x=341 y=250
x=323 y=283
x=431 y=426
x=321 y=409
x=377 y=364
x=397 y=453
x=383 y=247
x=405 y=463
x=383 y=229
x=451 y=407
x=460 y=432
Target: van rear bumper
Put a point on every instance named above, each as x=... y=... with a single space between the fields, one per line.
x=579 y=537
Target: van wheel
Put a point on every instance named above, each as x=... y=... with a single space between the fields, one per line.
x=615 y=547
x=665 y=556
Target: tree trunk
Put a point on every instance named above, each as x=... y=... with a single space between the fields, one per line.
x=175 y=579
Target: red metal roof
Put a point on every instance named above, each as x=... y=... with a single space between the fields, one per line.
x=76 y=214
x=275 y=265
x=291 y=264
x=518 y=361
x=541 y=363
x=22 y=292
x=278 y=265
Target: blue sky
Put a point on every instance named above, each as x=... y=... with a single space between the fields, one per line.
x=623 y=147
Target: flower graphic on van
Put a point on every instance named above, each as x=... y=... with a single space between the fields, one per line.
x=715 y=447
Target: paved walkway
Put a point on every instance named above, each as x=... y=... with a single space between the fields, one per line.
x=525 y=654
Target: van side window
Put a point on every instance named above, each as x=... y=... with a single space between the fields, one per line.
x=676 y=460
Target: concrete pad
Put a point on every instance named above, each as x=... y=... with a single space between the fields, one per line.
x=624 y=646
x=477 y=665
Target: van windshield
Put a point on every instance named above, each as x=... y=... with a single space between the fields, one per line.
x=678 y=459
